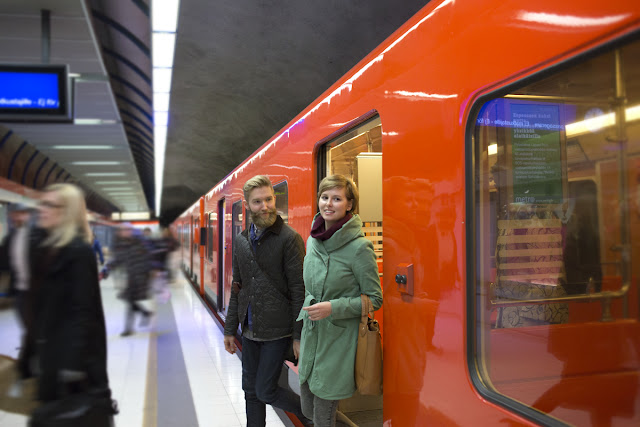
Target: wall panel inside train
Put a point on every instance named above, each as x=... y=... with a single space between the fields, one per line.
x=557 y=240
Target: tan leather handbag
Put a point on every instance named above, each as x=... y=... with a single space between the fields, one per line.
x=368 y=370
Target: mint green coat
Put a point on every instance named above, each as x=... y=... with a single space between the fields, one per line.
x=337 y=270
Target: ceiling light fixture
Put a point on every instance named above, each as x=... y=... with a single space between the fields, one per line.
x=93 y=122
x=82 y=147
x=164 y=19
x=112 y=182
x=98 y=163
x=594 y=124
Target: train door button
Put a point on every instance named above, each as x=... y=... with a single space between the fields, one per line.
x=404 y=278
x=401 y=279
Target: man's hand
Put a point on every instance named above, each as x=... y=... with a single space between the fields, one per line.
x=230 y=344
x=318 y=311
x=296 y=349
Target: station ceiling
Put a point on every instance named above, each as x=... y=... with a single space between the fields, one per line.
x=242 y=70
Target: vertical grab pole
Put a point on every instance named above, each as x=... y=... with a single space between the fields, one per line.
x=202 y=238
x=621 y=138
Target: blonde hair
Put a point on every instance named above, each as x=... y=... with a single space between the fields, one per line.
x=74 y=216
x=256 y=182
x=340 y=181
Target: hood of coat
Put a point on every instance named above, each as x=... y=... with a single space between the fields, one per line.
x=351 y=230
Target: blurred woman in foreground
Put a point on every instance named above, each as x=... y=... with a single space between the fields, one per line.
x=69 y=323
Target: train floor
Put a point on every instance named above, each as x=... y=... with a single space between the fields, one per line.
x=173 y=372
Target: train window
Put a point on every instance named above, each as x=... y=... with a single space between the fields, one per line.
x=281 y=190
x=357 y=154
x=556 y=208
x=236 y=213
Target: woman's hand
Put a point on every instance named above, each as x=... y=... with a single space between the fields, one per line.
x=318 y=311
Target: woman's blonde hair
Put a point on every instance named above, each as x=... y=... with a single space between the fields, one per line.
x=74 y=216
x=340 y=181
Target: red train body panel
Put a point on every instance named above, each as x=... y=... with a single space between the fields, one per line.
x=424 y=83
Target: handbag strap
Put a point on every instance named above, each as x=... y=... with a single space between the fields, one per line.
x=367 y=307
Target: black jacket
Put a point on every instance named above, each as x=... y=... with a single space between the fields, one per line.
x=271 y=280
x=5 y=262
x=69 y=325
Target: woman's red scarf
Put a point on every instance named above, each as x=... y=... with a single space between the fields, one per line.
x=318 y=231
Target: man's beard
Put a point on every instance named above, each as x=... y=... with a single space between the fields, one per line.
x=261 y=222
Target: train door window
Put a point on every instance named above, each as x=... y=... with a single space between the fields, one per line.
x=210 y=277
x=556 y=220
x=223 y=294
x=357 y=154
x=192 y=239
x=281 y=190
x=210 y=244
x=236 y=221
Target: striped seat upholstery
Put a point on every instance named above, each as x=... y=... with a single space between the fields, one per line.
x=529 y=262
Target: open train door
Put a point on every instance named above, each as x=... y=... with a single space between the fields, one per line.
x=357 y=154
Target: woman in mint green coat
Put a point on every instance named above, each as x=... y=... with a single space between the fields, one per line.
x=339 y=266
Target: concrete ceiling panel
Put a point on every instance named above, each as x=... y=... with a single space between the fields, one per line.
x=244 y=69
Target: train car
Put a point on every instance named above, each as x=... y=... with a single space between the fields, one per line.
x=496 y=146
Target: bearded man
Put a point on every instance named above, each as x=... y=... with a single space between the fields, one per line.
x=266 y=297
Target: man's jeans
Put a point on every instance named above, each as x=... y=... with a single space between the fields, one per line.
x=261 y=365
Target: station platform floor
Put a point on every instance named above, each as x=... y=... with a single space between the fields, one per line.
x=174 y=372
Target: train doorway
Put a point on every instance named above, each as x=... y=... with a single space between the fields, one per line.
x=357 y=154
x=192 y=240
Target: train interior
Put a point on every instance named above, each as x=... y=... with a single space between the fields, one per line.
x=557 y=218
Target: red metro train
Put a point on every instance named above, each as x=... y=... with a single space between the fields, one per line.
x=496 y=146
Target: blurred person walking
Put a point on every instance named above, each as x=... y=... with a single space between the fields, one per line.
x=132 y=253
x=69 y=323
x=339 y=267
x=166 y=244
x=97 y=247
x=14 y=258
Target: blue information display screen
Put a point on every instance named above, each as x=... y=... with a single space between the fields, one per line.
x=35 y=93
x=24 y=90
